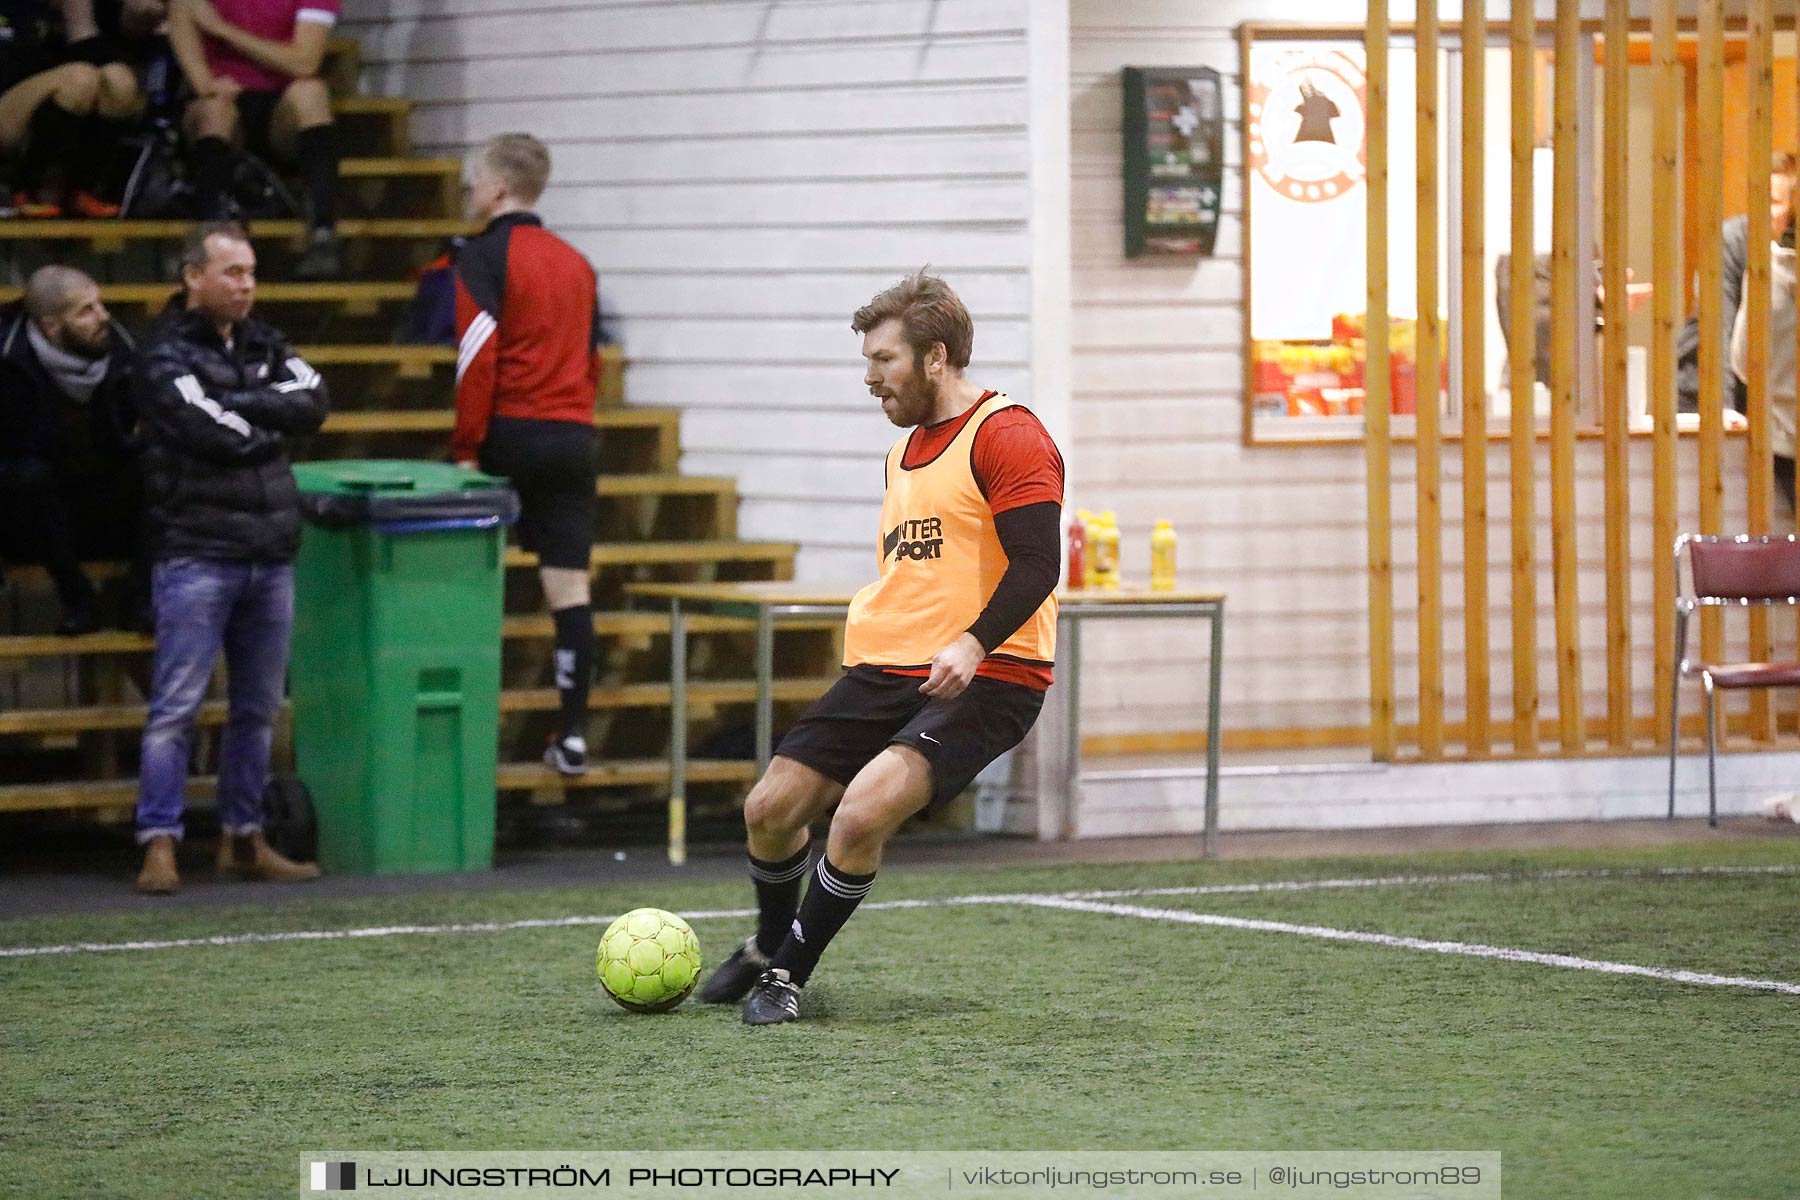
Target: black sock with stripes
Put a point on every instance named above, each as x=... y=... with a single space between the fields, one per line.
x=574 y=665
x=830 y=900
x=777 y=897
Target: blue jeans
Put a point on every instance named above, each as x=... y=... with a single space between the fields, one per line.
x=201 y=606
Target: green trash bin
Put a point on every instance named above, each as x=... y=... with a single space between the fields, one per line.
x=395 y=676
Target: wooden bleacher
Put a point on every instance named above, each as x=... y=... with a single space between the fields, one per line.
x=71 y=709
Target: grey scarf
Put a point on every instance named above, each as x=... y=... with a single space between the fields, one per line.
x=76 y=377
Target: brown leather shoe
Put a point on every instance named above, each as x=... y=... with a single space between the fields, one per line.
x=252 y=857
x=159 y=877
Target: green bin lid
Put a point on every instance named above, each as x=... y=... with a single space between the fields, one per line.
x=403 y=496
x=388 y=477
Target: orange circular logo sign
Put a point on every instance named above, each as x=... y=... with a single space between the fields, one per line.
x=1306 y=124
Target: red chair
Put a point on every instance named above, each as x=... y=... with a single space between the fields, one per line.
x=1741 y=570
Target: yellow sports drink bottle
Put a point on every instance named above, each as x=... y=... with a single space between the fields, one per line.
x=1162 y=557
x=1105 y=553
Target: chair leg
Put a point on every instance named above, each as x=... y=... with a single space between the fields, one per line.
x=1712 y=753
x=1674 y=732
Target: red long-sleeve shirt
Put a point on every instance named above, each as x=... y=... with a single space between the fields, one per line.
x=528 y=330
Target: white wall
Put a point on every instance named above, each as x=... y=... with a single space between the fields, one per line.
x=743 y=176
x=1157 y=410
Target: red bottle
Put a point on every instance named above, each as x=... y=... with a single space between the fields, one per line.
x=1078 y=551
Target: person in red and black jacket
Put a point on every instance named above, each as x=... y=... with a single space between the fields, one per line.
x=527 y=379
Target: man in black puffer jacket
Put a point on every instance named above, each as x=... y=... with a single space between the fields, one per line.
x=219 y=395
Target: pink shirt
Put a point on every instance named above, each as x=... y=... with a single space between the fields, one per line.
x=271 y=19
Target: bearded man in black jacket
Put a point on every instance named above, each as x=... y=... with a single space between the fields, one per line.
x=220 y=394
x=68 y=459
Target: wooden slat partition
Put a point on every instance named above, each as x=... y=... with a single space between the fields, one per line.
x=1521 y=360
x=1473 y=331
x=1708 y=206
x=1759 y=86
x=1668 y=304
x=1428 y=446
x=1376 y=401
x=1623 y=206
x=1567 y=308
x=1689 y=81
x=1616 y=414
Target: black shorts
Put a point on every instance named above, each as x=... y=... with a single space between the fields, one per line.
x=256 y=121
x=16 y=66
x=552 y=465
x=869 y=710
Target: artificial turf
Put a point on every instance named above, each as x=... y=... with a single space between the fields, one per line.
x=208 y=1070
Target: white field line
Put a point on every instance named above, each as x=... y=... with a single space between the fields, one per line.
x=1073 y=901
x=332 y=935
x=1313 y=885
x=1467 y=949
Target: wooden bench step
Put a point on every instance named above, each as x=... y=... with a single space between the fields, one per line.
x=21 y=648
x=443 y=420
x=658 y=695
x=394 y=167
x=523 y=627
x=393 y=420
x=341 y=67
x=603 y=555
x=363 y=106
x=376 y=123
x=417 y=362
x=637 y=417
x=646 y=772
x=114 y=235
x=540 y=626
x=93 y=793
x=401 y=185
x=99 y=718
x=619 y=554
x=659 y=484
x=93 y=718
x=513 y=777
x=347 y=294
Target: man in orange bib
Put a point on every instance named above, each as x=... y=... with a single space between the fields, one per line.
x=946 y=655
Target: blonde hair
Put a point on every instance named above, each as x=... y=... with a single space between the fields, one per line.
x=521 y=161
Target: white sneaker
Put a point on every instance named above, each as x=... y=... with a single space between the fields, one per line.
x=567 y=756
x=1784 y=806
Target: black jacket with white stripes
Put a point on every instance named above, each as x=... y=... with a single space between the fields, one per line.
x=217 y=420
